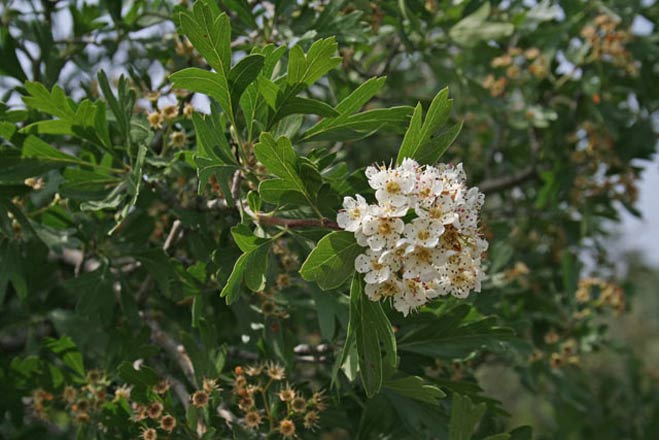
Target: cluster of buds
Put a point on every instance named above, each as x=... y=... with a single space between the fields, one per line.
x=597 y=293
x=608 y=43
x=422 y=236
x=167 y=116
x=558 y=352
x=83 y=403
x=268 y=404
x=151 y=415
x=595 y=152
x=516 y=61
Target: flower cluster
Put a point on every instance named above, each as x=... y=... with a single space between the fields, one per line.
x=272 y=407
x=422 y=236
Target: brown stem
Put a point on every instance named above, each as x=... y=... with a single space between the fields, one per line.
x=502 y=183
x=265 y=219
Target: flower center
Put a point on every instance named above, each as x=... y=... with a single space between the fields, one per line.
x=424 y=255
x=355 y=213
x=423 y=235
x=393 y=187
x=385 y=228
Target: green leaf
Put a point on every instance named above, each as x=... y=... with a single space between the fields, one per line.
x=122 y=106
x=243 y=74
x=279 y=157
x=233 y=287
x=211 y=141
x=12 y=270
x=475 y=28
x=144 y=377
x=452 y=335
x=416 y=388
x=464 y=417
x=349 y=105
x=421 y=141
x=54 y=103
x=210 y=34
x=376 y=344
x=317 y=62
x=281 y=192
x=368 y=343
x=35 y=148
x=66 y=349
x=305 y=106
x=10 y=64
x=250 y=268
x=245 y=238
x=213 y=84
x=332 y=261
x=360 y=125
x=281 y=160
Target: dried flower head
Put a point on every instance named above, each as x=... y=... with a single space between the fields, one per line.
x=252 y=419
x=246 y=403
x=311 y=420
x=319 y=401
x=155 y=120
x=199 y=398
x=209 y=385
x=162 y=387
x=168 y=423
x=299 y=404
x=122 y=392
x=188 y=109
x=139 y=412
x=170 y=112
x=149 y=434
x=254 y=370
x=155 y=410
x=287 y=428
x=178 y=139
x=275 y=371
x=36 y=183
x=69 y=394
x=287 y=394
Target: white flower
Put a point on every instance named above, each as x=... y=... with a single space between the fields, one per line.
x=422 y=263
x=387 y=209
x=422 y=232
x=377 y=266
x=428 y=186
x=387 y=289
x=442 y=210
x=392 y=185
x=382 y=231
x=412 y=260
x=354 y=213
x=411 y=297
x=460 y=275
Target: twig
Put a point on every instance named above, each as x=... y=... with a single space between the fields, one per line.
x=175 y=350
x=502 y=183
x=265 y=219
x=141 y=295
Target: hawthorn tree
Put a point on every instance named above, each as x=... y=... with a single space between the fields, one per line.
x=242 y=219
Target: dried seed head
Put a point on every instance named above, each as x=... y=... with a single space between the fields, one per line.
x=168 y=423
x=287 y=428
x=155 y=410
x=252 y=419
x=149 y=434
x=199 y=399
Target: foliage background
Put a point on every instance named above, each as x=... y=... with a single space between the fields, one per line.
x=552 y=136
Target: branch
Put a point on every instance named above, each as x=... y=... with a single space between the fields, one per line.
x=175 y=350
x=265 y=219
x=505 y=182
